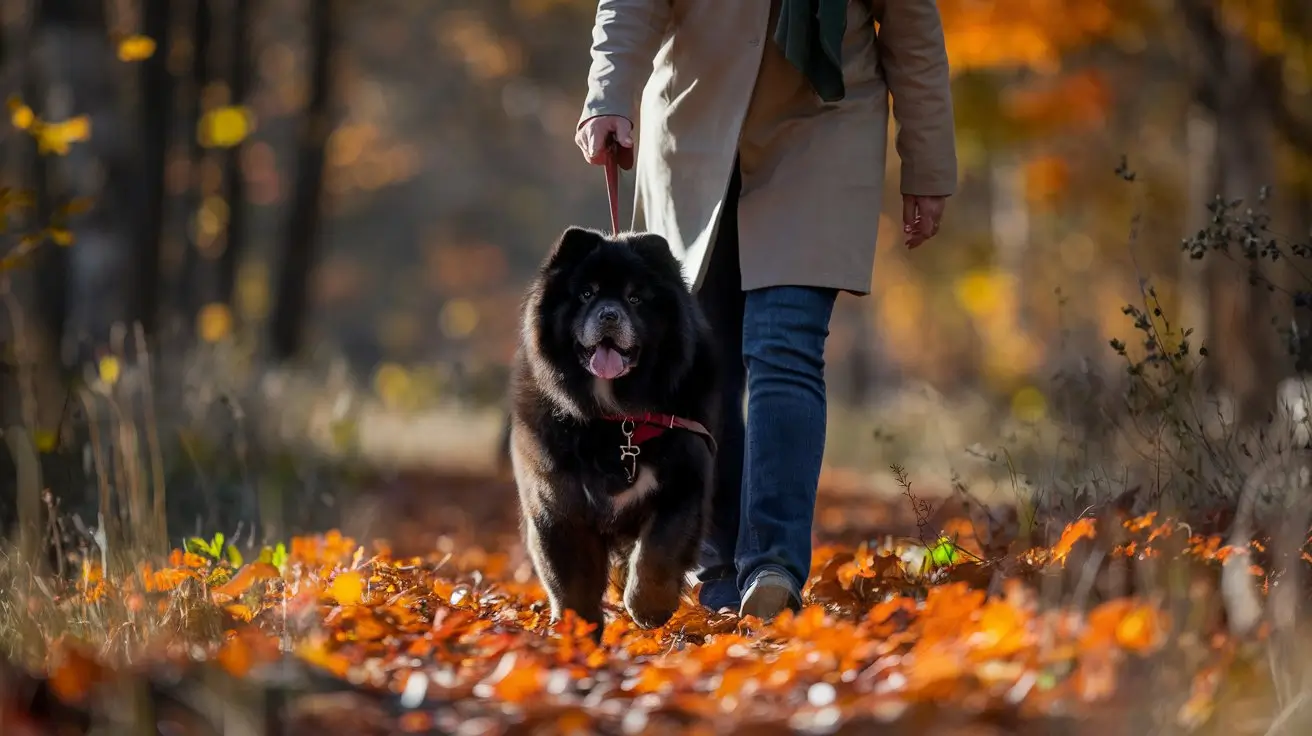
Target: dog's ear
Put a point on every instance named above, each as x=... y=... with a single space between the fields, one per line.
x=575 y=244
x=655 y=251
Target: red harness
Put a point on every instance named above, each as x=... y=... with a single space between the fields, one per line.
x=649 y=426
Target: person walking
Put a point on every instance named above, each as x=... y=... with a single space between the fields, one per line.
x=762 y=127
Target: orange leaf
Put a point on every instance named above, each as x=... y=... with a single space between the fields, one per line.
x=235 y=656
x=74 y=672
x=883 y=611
x=517 y=682
x=1074 y=532
x=316 y=653
x=574 y=721
x=1139 y=523
x=415 y=722
x=178 y=558
x=246 y=577
x=1002 y=630
x=1141 y=629
x=368 y=628
x=169 y=578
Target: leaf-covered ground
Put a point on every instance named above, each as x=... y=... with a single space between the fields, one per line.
x=984 y=635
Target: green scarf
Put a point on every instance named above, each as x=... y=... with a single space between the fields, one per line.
x=810 y=33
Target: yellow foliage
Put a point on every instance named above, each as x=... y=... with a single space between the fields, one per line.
x=109 y=370
x=136 y=48
x=342 y=433
x=459 y=318
x=214 y=322
x=985 y=292
x=253 y=290
x=46 y=441
x=56 y=137
x=20 y=114
x=76 y=206
x=1010 y=354
x=1029 y=405
x=15 y=199
x=1261 y=22
x=26 y=245
x=393 y=384
x=61 y=236
x=224 y=127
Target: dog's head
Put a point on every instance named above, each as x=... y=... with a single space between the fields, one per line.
x=607 y=305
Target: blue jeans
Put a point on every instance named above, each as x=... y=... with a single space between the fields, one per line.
x=772 y=343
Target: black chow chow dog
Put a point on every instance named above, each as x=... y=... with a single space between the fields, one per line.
x=612 y=419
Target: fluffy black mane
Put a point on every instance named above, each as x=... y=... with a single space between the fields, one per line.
x=677 y=370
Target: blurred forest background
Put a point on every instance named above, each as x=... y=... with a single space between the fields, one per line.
x=320 y=216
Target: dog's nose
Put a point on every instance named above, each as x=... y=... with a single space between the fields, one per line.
x=608 y=314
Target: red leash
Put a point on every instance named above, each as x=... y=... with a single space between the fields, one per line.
x=617 y=157
x=638 y=429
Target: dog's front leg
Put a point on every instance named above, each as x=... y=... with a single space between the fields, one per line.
x=668 y=544
x=572 y=562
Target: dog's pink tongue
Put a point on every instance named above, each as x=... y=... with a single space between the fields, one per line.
x=606 y=363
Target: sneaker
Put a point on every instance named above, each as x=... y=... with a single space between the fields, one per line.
x=768 y=595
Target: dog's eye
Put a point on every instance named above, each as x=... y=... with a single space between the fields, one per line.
x=634 y=300
x=586 y=295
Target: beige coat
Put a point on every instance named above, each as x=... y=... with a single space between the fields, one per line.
x=813 y=172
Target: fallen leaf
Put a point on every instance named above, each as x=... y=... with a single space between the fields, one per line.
x=347 y=588
x=1074 y=532
x=74 y=672
x=246 y=577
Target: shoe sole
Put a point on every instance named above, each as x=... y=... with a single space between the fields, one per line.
x=765 y=601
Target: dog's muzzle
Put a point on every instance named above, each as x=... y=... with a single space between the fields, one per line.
x=608 y=342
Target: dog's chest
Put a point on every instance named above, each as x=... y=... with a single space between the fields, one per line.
x=615 y=477
x=616 y=501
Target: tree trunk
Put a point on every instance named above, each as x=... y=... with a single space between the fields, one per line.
x=77 y=74
x=190 y=296
x=239 y=71
x=1243 y=341
x=1243 y=361
x=156 y=126
x=1200 y=144
x=287 y=323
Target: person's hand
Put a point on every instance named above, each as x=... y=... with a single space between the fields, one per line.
x=921 y=217
x=594 y=133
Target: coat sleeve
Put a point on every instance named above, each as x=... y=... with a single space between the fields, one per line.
x=915 y=61
x=624 y=41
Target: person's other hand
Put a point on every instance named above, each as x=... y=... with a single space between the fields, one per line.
x=594 y=133
x=921 y=217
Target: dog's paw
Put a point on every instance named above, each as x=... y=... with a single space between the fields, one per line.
x=651 y=604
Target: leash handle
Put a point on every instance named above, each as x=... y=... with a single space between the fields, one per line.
x=613 y=185
x=617 y=157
